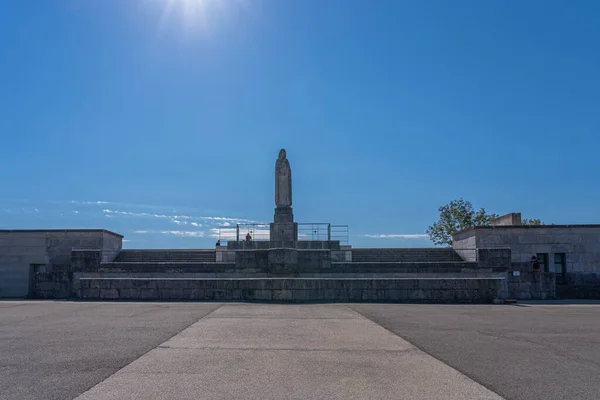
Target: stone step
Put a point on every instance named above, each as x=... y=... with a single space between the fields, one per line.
x=126 y=268
x=166 y=256
x=396 y=259
x=421 y=290
x=404 y=255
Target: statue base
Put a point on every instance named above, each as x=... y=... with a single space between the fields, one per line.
x=284 y=228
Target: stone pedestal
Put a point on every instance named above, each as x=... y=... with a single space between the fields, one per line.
x=284 y=228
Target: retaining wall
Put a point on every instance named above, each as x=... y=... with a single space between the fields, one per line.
x=579 y=286
x=461 y=290
x=232 y=268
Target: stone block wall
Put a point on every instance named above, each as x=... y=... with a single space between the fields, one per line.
x=342 y=255
x=530 y=286
x=53 y=285
x=494 y=258
x=111 y=246
x=282 y=260
x=274 y=244
x=580 y=286
x=223 y=254
x=314 y=259
x=25 y=252
x=508 y=219
x=86 y=260
x=580 y=243
x=295 y=290
x=252 y=259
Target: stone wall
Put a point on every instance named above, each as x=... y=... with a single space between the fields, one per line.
x=441 y=281
x=223 y=254
x=274 y=244
x=580 y=243
x=494 y=258
x=524 y=284
x=111 y=246
x=25 y=252
x=466 y=247
x=54 y=285
x=508 y=219
x=87 y=262
x=283 y=260
x=579 y=286
x=295 y=290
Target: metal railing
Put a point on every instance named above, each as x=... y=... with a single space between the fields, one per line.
x=323 y=231
x=341 y=233
x=306 y=231
x=239 y=232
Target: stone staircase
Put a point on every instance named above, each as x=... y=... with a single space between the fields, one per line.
x=415 y=255
x=374 y=275
x=166 y=256
x=296 y=290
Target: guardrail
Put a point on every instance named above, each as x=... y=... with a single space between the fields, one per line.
x=240 y=231
x=306 y=231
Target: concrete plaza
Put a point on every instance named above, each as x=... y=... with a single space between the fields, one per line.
x=103 y=350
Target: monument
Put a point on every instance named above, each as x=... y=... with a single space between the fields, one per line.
x=283 y=227
x=282 y=268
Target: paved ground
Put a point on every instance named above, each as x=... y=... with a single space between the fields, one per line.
x=57 y=350
x=538 y=351
x=62 y=350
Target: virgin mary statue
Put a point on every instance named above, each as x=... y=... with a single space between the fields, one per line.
x=283 y=181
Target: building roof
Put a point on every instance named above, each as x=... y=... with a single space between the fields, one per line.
x=60 y=230
x=501 y=227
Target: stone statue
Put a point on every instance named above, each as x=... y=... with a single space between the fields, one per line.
x=283 y=181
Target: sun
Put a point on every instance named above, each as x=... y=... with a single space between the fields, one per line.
x=189 y=7
x=193 y=14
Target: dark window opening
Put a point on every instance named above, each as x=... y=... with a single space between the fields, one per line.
x=560 y=267
x=39 y=268
x=543 y=257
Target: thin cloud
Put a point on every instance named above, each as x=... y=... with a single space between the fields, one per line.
x=231 y=233
x=184 y=233
x=178 y=218
x=174 y=233
x=134 y=214
x=87 y=203
x=399 y=236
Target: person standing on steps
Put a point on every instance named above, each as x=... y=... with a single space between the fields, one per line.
x=535 y=264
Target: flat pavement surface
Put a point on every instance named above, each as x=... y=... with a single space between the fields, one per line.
x=103 y=350
x=57 y=350
x=530 y=351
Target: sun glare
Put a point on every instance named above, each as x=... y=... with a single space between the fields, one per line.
x=193 y=14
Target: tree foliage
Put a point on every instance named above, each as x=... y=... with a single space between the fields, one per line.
x=458 y=215
x=531 y=221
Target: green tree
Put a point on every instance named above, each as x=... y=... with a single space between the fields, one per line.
x=458 y=215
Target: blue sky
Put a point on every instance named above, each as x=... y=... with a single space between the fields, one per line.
x=126 y=115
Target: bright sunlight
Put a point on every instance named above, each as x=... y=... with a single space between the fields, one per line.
x=193 y=14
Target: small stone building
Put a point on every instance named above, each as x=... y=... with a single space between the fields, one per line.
x=571 y=252
x=23 y=253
